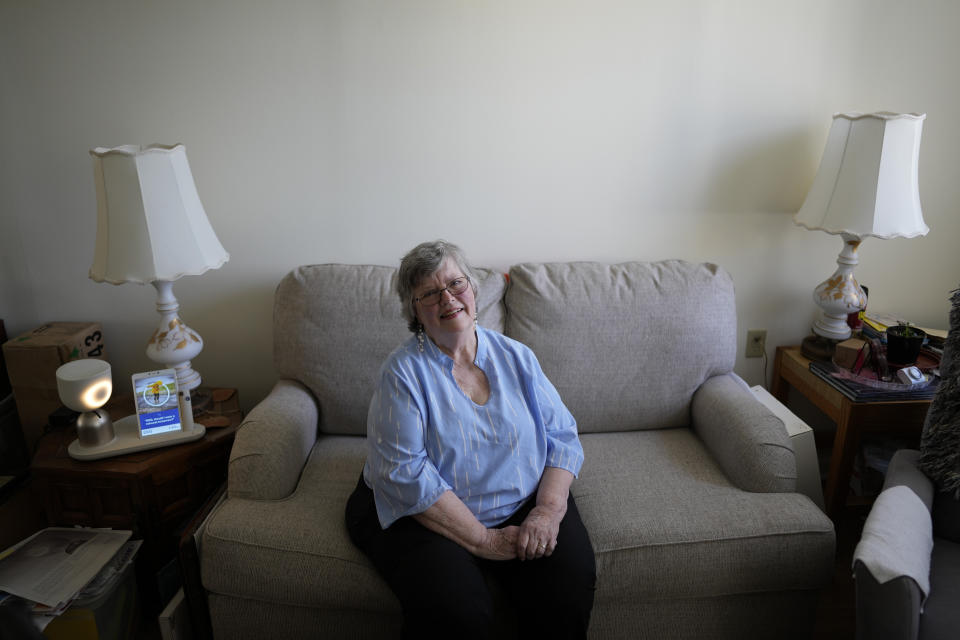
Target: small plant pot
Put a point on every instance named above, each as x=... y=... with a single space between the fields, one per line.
x=902 y=350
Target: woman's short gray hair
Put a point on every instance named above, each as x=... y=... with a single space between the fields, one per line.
x=423 y=261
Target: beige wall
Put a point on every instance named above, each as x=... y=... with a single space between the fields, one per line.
x=324 y=131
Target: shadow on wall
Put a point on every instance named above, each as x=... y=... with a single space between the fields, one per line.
x=763 y=184
x=237 y=332
x=770 y=176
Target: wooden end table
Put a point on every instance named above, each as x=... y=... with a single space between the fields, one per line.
x=853 y=419
x=151 y=492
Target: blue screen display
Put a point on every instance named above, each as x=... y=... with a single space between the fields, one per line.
x=160 y=422
x=158 y=405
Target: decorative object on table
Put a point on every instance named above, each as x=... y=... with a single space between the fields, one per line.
x=878 y=322
x=903 y=344
x=850 y=352
x=85 y=386
x=940 y=443
x=911 y=375
x=867 y=185
x=855 y=318
x=878 y=360
x=870 y=385
x=861 y=360
x=152 y=228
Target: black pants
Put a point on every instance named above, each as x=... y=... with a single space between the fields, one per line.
x=442 y=589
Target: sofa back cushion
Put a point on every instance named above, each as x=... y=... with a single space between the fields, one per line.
x=334 y=324
x=626 y=345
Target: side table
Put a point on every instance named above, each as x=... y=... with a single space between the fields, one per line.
x=853 y=419
x=150 y=492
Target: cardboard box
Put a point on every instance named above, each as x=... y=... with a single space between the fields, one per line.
x=32 y=360
x=846 y=352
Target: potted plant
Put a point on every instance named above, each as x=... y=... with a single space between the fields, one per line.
x=903 y=344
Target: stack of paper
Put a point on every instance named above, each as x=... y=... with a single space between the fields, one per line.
x=57 y=565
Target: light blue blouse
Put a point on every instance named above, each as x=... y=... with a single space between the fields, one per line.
x=425 y=435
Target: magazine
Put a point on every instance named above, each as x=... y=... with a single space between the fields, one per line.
x=53 y=565
x=863 y=389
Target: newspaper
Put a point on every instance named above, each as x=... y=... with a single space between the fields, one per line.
x=53 y=565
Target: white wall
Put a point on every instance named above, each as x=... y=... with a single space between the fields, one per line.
x=322 y=131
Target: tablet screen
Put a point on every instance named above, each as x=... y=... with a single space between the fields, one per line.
x=158 y=405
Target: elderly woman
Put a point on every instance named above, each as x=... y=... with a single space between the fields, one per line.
x=470 y=457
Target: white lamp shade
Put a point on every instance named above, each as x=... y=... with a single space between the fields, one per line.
x=150 y=222
x=867 y=181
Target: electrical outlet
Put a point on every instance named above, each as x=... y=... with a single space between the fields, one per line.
x=756 y=343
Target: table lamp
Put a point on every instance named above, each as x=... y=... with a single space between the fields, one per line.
x=866 y=186
x=152 y=228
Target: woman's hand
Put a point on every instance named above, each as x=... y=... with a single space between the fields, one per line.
x=538 y=533
x=499 y=544
x=451 y=518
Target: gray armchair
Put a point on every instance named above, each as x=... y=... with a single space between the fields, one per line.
x=900 y=594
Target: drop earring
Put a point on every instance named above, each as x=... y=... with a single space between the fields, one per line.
x=420 y=338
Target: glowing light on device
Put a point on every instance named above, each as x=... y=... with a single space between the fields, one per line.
x=85 y=386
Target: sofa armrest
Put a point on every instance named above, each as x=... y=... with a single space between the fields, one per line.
x=273 y=443
x=746 y=439
x=888 y=611
x=903 y=470
x=891 y=562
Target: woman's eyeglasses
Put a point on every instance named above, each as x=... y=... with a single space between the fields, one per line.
x=455 y=287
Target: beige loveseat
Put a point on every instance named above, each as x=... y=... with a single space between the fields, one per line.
x=688 y=489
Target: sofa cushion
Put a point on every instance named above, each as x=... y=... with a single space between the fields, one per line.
x=626 y=345
x=666 y=523
x=320 y=341
x=296 y=551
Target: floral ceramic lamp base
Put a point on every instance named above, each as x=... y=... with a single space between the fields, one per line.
x=838 y=296
x=173 y=345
